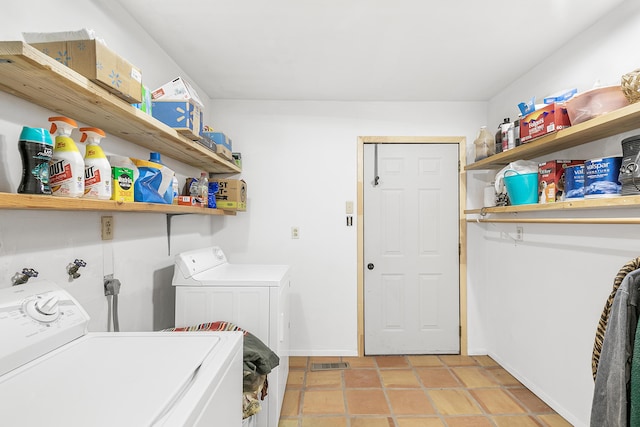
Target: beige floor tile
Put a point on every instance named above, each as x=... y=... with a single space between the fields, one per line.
x=530 y=401
x=476 y=421
x=366 y=402
x=324 y=422
x=410 y=391
x=503 y=377
x=554 y=420
x=372 y=422
x=391 y=362
x=497 y=401
x=456 y=360
x=409 y=402
x=295 y=379
x=485 y=361
x=361 y=362
x=420 y=422
x=361 y=378
x=437 y=378
x=325 y=379
x=515 y=421
x=473 y=377
x=297 y=362
x=399 y=378
x=329 y=402
x=291 y=403
x=454 y=402
x=424 y=361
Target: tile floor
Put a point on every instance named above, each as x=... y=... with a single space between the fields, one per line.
x=410 y=391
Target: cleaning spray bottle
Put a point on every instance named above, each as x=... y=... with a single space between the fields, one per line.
x=66 y=169
x=97 y=170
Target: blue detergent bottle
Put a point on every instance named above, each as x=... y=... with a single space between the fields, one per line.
x=36 y=149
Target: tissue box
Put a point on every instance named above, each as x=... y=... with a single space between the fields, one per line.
x=183 y=116
x=551 y=179
x=99 y=64
x=550 y=118
x=232 y=194
x=177 y=89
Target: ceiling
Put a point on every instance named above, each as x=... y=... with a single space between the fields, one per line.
x=361 y=50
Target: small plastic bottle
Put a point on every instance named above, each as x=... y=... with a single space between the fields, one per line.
x=203 y=187
x=485 y=144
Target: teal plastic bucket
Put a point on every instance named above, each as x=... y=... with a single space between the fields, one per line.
x=521 y=188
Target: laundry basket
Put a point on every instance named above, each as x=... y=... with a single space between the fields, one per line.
x=521 y=188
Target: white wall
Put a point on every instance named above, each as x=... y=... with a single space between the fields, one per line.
x=541 y=298
x=48 y=240
x=299 y=160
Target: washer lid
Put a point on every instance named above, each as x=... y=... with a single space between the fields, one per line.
x=239 y=275
x=110 y=379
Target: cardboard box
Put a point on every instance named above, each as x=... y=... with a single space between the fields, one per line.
x=99 y=64
x=551 y=179
x=237 y=159
x=183 y=116
x=224 y=152
x=177 y=89
x=219 y=138
x=232 y=194
x=190 y=201
x=122 y=184
x=548 y=119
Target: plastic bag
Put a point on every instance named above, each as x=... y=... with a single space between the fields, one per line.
x=154 y=183
x=520 y=166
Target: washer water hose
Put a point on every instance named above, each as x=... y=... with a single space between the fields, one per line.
x=111 y=291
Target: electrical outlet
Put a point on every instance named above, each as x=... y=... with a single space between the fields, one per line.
x=295 y=232
x=107 y=227
x=519 y=233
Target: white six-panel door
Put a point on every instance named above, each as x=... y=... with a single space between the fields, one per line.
x=411 y=252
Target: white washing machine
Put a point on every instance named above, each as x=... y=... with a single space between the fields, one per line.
x=254 y=297
x=53 y=372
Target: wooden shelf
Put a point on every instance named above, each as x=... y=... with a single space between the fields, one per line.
x=610 y=202
x=613 y=123
x=31 y=75
x=43 y=202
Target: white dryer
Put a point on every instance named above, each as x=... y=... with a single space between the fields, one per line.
x=53 y=372
x=254 y=297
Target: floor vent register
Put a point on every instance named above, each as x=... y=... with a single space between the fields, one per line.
x=329 y=366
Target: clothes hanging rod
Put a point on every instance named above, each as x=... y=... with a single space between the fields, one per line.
x=560 y=220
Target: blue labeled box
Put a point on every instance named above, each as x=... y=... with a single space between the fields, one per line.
x=183 y=116
x=219 y=138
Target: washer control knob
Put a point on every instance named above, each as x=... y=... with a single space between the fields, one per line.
x=43 y=309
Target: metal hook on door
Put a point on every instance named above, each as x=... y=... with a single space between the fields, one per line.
x=376 y=178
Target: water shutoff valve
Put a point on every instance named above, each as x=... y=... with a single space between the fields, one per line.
x=73 y=268
x=24 y=276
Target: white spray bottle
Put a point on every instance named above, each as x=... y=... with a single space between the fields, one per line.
x=97 y=170
x=66 y=168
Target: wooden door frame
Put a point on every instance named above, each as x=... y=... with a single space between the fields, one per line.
x=462 y=223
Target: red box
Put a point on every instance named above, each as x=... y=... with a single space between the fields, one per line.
x=548 y=119
x=189 y=201
x=551 y=179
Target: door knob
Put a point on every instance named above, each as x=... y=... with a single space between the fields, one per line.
x=370 y=266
